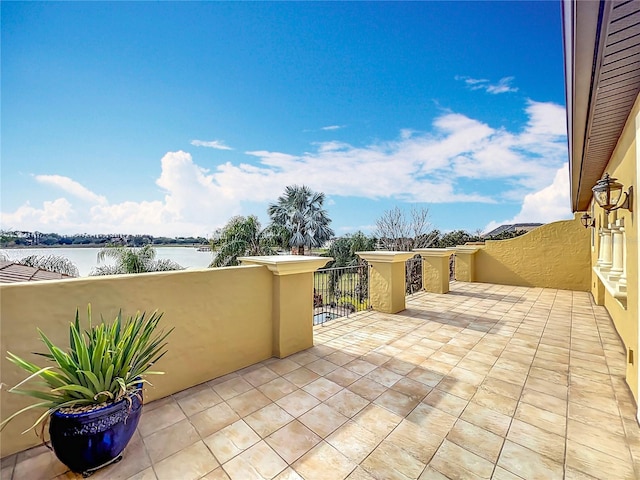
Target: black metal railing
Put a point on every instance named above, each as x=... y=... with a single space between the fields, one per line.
x=413 y=272
x=337 y=292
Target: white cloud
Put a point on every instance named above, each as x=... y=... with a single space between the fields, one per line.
x=26 y=217
x=503 y=85
x=332 y=127
x=546 y=205
x=72 y=187
x=217 y=144
x=432 y=167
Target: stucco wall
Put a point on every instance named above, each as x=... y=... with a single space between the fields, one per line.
x=623 y=166
x=222 y=320
x=556 y=255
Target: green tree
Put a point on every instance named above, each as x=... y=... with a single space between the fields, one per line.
x=300 y=212
x=343 y=249
x=241 y=236
x=132 y=260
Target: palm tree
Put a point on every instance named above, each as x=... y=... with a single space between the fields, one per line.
x=241 y=236
x=132 y=260
x=299 y=211
x=52 y=263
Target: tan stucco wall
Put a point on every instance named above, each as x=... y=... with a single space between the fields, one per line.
x=623 y=166
x=222 y=320
x=555 y=255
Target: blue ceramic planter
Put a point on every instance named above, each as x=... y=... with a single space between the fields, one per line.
x=87 y=441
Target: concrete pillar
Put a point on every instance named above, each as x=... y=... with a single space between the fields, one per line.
x=435 y=269
x=617 y=245
x=292 y=307
x=387 y=289
x=465 y=262
x=604 y=252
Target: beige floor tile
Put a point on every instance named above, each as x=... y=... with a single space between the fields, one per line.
x=353 y=441
x=190 y=463
x=347 y=403
x=135 y=460
x=42 y=466
x=438 y=422
x=292 y=441
x=301 y=376
x=547 y=387
x=232 y=387
x=298 y=402
x=458 y=388
x=367 y=389
x=342 y=376
x=322 y=388
x=360 y=474
x=399 y=366
x=324 y=462
x=527 y=463
x=213 y=419
x=457 y=462
x=277 y=388
x=159 y=418
x=501 y=474
x=389 y=461
x=197 y=399
x=598 y=439
x=268 y=419
x=397 y=402
x=536 y=439
x=549 y=375
x=361 y=367
x=321 y=366
x=507 y=389
x=377 y=420
x=486 y=418
x=545 y=402
x=384 y=376
x=146 y=474
x=288 y=474
x=248 y=402
x=170 y=440
x=340 y=358
x=446 y=402
x=467 y=376
x=323 y=420
x=476 y=440
x=412 y=388
x=495 y=401
x=415 y=440
x=231 y=441
x=596 y=463
x=282 y=366
x=431 y=473
x=303 y=357
x=425 y=376
x=596 y=418
x=258 y=462
x=217 y=474
x=541 y=418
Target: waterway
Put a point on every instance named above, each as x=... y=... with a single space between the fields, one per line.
x=86 y=259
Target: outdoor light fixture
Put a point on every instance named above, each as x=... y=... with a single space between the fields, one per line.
x=587 y=221
x=608 y=193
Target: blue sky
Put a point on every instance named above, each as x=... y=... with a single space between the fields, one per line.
x=169 y=118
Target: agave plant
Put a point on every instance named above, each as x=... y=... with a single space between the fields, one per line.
x=103 y=364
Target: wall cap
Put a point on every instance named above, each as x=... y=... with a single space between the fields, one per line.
x=465 y=249
x=385 y=256
x=287 y=264
x=434 y=252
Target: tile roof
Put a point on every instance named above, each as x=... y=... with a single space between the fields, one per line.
x=11 y=272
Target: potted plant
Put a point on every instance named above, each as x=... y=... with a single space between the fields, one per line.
x=93 y=393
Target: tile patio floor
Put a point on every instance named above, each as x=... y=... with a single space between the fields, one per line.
x=488 y=381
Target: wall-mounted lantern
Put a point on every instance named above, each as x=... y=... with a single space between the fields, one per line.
x=608 y=193
x=587 y=221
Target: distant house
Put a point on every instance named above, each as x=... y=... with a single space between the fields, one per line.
x=516 y=227
x=11 y=272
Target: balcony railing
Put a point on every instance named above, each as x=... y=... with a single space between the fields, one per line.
x=337 y=292
x=413 y=273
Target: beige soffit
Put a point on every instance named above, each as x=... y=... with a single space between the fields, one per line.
x=602 y=75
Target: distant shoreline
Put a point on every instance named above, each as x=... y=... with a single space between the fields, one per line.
x=94 y=245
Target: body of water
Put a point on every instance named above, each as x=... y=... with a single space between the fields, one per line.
x=86 y=259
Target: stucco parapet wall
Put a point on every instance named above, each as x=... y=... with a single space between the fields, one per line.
x=385 y=257
x=287 y=264
x=434 y=252
x=465 y=248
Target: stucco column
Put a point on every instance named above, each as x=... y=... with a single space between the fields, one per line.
x=387 y=277
x=292 y=307
x=435 y=269
x=465 y=262
x=617 y=242
x=604 y=257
